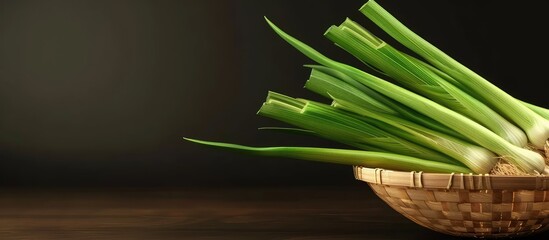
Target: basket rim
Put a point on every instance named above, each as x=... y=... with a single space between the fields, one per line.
x=449 y=180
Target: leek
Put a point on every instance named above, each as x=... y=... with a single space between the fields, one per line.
x=368 y=48
x=337 y=125
x=476 y=158
x=343 y=156
x=535 y=126
x=331 y=83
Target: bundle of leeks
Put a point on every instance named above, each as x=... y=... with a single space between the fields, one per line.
x=429 y=113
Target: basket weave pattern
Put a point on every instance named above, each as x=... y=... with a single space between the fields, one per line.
x=464 y=205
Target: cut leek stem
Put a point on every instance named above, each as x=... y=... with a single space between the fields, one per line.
x=529 y=161
x=332 y=83
x=338 y=125
x=327 y=86
x=343 y=156
x=478 y=159
x=368 y=48
x=535 y=126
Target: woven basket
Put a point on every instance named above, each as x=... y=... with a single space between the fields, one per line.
x=481 y=206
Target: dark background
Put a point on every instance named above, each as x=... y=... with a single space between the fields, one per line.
x=100 y=93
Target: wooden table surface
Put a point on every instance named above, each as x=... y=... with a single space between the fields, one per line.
x=297 y=213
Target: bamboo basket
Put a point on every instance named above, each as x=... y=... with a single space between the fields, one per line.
x=463 y=205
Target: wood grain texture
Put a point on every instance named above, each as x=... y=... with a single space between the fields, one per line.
x=291 y=213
